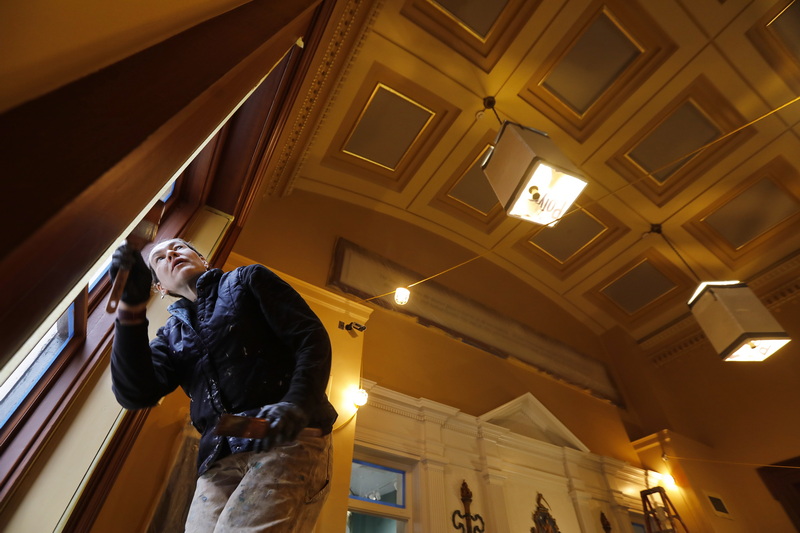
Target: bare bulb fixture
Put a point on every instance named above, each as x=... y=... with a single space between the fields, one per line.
x=401 y=295
x=360 y=397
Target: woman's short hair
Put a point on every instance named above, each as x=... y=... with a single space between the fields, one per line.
x=186 y=243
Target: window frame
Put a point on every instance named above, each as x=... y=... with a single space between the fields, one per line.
x=403 y=473
x=36 y=420
x=403 y=514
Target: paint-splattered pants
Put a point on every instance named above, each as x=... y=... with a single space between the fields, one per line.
x=280 y=491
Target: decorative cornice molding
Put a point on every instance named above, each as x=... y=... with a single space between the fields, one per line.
x=325 y=71
x=389 y=407
x=782 y=294
x=464 y=427
x=784 y=269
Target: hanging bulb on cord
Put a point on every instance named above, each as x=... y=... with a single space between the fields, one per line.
x=401 y=295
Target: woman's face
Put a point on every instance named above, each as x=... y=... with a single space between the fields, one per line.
x=175 y=264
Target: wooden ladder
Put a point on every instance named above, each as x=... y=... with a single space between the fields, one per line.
x=660 y=516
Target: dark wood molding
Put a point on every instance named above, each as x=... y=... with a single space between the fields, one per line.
x=103 y=146
x=112 y=188
x=34 y=422
x=86 y=510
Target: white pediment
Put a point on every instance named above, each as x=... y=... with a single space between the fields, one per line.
x=527 y=416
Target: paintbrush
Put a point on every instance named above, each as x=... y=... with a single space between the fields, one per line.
x=143 y=234
x=247 y=427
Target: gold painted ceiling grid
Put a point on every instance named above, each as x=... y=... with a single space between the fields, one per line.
x=634 y=293
x=602 y=60
x=574 y=241
x=775 y=37
x=654 y=161
x=479 y=31
x=389 y=130
x=763 y=210
x=394 y=121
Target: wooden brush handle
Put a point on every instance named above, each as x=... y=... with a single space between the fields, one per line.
x=116 y=290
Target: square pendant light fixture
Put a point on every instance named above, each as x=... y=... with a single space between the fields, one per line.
x=531 y=177
x=738 y=325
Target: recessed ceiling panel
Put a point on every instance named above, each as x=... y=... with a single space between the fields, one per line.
x=758 y=216
x=777 y=37
x=477 y=15
x=752 y=213
x=474 y=190
x=467 y=195
x=592 y=64
x=664 y=156
x=638 y=287
x=604 y=57
x=578 y=238
x=663 y=151
x=787 y=27
x=569 y=236
x=642 y=289
x=479 y=30
x=387 y=128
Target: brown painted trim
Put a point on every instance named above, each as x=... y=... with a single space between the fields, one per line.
x=112 y=139
x=80 y=231
x=99 y=486
x=33 y=424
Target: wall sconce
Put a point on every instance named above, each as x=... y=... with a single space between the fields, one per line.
x=531 y=177
x=401 y=295
x=359 y=397
x=738 y=325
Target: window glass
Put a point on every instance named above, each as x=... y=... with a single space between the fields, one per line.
x=31 y=368
x=364 y=523
x=99 y=275
x=168 y=193
x=378 y=484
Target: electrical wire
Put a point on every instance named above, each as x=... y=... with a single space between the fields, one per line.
x=489 y=103
x=431 y=277
x=682 y=158
x=729 y=462
x=343 y=424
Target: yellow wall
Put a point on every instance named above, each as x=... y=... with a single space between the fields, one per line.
x=421 y=362
x=729 y=419
x=132 y=499
x=41 y=51
x=737 y=413
x=741 y=413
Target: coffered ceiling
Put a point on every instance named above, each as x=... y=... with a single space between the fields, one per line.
x=666 y=106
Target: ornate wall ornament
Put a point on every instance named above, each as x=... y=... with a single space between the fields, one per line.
x=543 y=522
x=467 y=519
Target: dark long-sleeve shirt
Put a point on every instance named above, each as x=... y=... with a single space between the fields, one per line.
x=247 y=341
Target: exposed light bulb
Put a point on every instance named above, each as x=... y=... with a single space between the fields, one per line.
x=401 y=295
x=360 y=397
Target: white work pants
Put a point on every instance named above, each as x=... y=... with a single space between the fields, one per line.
x=280 y=491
